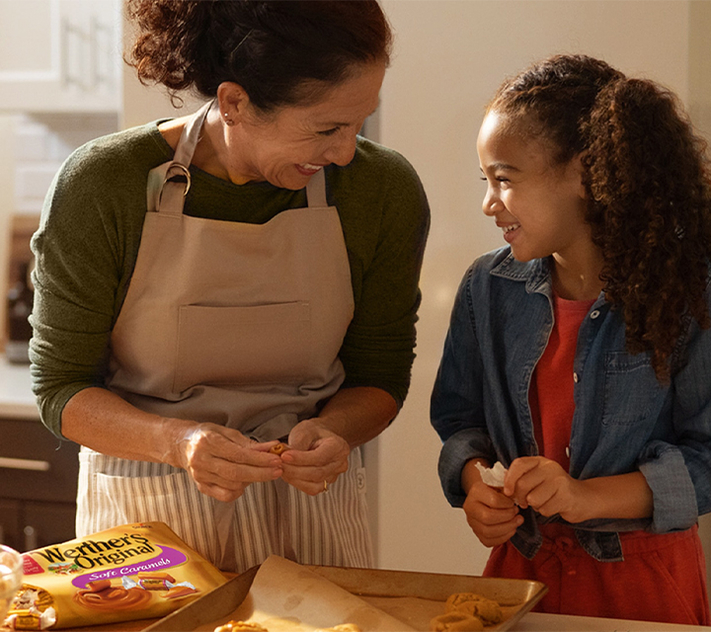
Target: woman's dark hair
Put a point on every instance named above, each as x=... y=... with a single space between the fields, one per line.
x=282 y=52
x=648 y=184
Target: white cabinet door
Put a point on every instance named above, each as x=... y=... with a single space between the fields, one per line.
x=60 y=55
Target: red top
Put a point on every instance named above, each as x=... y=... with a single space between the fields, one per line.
x=551 y=394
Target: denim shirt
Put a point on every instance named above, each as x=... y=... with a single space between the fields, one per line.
x=625 y=420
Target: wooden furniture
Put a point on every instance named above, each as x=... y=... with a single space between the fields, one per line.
x=38 y=473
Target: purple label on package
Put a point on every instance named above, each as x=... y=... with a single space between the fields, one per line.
x=167 y=558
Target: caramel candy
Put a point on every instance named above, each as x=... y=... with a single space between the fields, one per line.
x=154 y=584
x=98 y=585
x=176 y=592
x=156 y=575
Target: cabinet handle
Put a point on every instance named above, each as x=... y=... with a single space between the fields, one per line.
x=30 y=538
x=99 y=53
x=24 y=464
x=72 y=55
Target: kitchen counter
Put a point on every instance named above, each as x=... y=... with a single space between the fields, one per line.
x=16 y=397
x=539 y=622
x=531 y=622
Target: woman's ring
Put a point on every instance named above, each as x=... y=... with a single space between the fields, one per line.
x=325 y=486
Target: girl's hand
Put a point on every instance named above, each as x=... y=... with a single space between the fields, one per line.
x=223 y=462
x=534 y=481
x=316 y=458
x=492 y=516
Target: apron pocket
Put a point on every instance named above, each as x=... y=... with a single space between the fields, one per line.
x=243 y=345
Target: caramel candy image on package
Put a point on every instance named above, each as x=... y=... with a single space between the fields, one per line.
x=134 y=571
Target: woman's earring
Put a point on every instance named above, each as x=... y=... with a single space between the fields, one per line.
x=227 y=118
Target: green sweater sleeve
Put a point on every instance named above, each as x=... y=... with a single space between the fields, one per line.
x=86 y=247
x=385 y=222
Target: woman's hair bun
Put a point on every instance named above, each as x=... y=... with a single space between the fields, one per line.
x=279 y=51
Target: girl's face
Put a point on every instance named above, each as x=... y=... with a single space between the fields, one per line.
x=538 y=205
x=287 y=147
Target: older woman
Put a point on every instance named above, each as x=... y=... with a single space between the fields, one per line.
x=209 y=286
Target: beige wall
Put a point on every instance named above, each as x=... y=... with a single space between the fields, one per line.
x=450 y=56
x=700 y=65
x=7 y=203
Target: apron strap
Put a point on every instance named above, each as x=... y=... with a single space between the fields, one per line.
x=165 y=193
x=316 y=190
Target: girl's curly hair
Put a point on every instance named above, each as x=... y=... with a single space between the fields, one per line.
x=282 y=52
x=648 y=184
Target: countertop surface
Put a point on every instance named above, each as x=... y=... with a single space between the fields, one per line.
x=531 y=622
x=540 y=622
x=16 y=397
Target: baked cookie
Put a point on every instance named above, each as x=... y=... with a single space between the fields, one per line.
x=456 y=621
x=485 y=609
x=240 y=626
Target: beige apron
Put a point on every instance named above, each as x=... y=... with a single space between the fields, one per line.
x=237 y=324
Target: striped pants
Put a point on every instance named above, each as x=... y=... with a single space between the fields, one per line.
x=271 y=518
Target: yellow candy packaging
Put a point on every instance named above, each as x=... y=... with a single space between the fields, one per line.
x=134 y=571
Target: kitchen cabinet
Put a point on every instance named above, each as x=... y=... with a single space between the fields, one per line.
x=38 y=483
x=60 y=55
x=38 y=474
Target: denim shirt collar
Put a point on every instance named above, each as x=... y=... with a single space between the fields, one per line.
x=535 y=274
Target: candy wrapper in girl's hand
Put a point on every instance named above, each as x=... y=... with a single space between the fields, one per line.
x=492 y=476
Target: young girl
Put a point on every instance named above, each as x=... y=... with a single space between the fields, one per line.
x=579 y=355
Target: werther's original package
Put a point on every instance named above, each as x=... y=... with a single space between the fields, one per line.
x=135 y=571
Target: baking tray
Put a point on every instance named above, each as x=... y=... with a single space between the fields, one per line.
x=392 y=591
x=378 y=587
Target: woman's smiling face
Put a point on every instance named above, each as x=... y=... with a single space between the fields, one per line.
x=287 y=147
x=539 y=205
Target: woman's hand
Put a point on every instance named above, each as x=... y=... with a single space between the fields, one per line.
x=223 y=462
x=538 y=482
x=492 y=516
x=317 y=457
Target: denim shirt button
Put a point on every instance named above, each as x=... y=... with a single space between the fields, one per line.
x=567 y=451
x=595 y=313
x=576 y=377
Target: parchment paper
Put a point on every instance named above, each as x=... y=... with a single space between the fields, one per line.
x=288 y=597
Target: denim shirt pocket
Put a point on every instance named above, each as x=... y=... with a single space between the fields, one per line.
x=631 y=389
